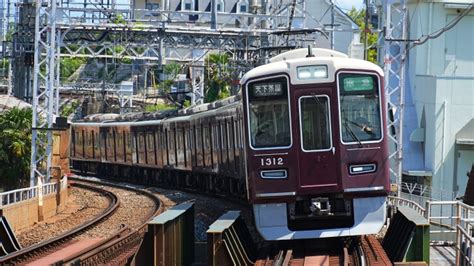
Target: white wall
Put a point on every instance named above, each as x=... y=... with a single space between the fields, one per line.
x=442 y=74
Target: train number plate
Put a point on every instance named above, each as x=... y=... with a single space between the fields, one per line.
x=271 y=161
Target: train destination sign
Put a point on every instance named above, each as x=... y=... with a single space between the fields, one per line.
x=365 y=83
x=267 y=89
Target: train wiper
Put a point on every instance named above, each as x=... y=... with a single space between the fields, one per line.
x=352 y=134
x=364 y=127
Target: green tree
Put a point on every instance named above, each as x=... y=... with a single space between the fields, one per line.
x=15 y=146
x=217 y=78
x=158 y=107
x=171 y=70
x=358 y=16
x=69 y=108
x=69 y=65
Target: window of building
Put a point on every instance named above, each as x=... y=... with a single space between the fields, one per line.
x=187 y=5
x=220 y=6
x=242 y=7
x=152 y=6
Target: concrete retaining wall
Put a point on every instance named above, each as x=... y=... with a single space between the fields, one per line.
x=26 y=213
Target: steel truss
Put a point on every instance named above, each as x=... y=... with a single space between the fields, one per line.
x=127 y=33
x=45 y=94
x=395 y=56
x=123 y=42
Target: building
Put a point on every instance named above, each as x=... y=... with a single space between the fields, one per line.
x=234 y=14
x=439 y=112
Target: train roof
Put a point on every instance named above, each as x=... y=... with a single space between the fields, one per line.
x=144 y=118
x=288 y=62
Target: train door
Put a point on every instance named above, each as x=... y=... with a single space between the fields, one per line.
x=316 y=148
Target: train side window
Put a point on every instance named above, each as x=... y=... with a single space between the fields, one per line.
x=221 y=141
x=269 y=114
x=184 y=148
x=177 y=144
x=125 y=143
x=195 y=146
x=115 y=145
x=315 y=123
x=201 y=145
x=93 y=143
x=109 y=138
x=226 y=141
x=150 y=141
x=166 y=148
x=74 y=137
x=135 y=145
x=97 y=141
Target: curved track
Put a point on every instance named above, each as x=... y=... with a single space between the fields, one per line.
x=122 y=243
x=55 y=242
x=121 y=246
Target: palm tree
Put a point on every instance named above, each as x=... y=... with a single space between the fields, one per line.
x=15 y=146
x=217 y=77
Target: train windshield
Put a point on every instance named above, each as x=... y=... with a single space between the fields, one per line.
x=360 y=108
x=269 y=114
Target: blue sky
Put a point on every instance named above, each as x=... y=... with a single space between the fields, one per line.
x=346 y=5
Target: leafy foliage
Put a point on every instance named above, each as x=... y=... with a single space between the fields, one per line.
x=158 y=107
x=358 y=16
x=70 y=108
x=69 y=65
x=172 y=70
x=217 y=78
x=15 y=147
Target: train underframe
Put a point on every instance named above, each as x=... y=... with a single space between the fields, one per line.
x=337 y=216
x=166 y=178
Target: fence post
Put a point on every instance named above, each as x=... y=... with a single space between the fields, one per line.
x=428 y=210
x=459 y=252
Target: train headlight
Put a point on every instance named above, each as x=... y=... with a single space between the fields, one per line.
x=312 y=72
x=362 y=169
x=274 y=174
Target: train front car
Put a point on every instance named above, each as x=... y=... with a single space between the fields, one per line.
x=317 y=159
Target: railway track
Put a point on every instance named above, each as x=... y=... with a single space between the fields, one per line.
x=364 y=250
x=121 y=246
x=121 y=242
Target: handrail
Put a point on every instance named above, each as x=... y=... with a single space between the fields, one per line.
x=22 y=194
x=459 y=222
x=409 y=203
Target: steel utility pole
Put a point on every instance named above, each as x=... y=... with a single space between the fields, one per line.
x=45 y=98
x=394 y=47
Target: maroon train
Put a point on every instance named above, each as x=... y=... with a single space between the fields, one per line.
x=304 y=141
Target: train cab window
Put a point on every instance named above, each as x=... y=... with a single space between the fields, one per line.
x=268 y=111
x=359 y=108
x=315 y=125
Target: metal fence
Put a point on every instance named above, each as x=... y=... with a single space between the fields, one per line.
x=451 y=222
x=22 y=194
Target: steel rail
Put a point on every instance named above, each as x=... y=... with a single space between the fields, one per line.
x=112 y=247
x=25 y=253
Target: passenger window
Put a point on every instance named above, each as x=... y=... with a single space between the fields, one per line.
x=269 y=114
x=315 y=125
x=361 y=119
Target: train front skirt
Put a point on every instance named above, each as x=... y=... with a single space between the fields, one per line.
x=272 y=223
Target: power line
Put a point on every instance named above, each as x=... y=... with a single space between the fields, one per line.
x=439 y=32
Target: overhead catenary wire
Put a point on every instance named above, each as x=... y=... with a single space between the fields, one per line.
x=437 y=33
